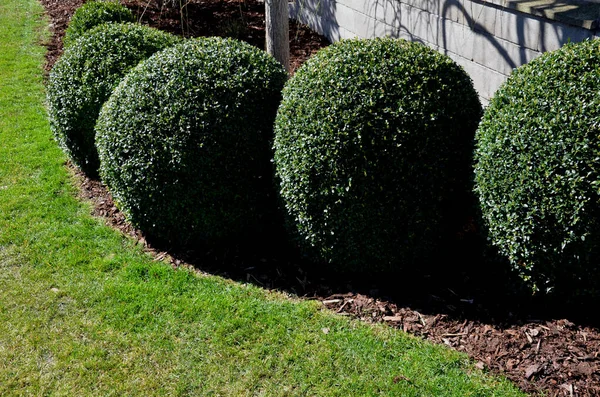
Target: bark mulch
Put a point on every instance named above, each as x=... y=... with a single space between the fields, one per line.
x=541 y=346
x=226 y=18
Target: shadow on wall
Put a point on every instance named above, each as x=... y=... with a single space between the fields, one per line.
x=488 y=38
x=320 y=15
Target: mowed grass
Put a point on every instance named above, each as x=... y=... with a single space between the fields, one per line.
x=85 y=312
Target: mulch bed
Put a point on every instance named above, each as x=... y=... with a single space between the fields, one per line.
x=531 y=343
x=228 y=18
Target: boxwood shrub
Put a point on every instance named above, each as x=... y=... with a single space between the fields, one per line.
x=84 y=77
x=538 y=169
x=185 y=140
x=373 y=142
x=94 y=13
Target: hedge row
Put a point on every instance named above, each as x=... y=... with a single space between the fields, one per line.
x=372 y=143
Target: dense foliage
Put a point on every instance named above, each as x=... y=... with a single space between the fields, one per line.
x=184 y=141
x=538 y=169
x=94 y=13
x=373 y=144
x=84 y=77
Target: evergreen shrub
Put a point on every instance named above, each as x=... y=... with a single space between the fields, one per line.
x=373 y=142
x=185 y=140
x=538 y=169
x=94 y=13
x=84 y=77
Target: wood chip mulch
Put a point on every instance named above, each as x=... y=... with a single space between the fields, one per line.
x=541 y=352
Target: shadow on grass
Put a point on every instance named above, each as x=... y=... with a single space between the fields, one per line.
x=467 y=280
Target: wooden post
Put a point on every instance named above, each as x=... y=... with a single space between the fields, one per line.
x=278 y=31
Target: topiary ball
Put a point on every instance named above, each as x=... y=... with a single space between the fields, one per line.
x=84 y=77
x=184 y=141
x=538 y=169
x=373 y=141
x=94 y=13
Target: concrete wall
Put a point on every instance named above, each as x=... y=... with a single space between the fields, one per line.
x=488 y=38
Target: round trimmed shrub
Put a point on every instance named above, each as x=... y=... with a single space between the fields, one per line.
x=94 y=13
x=373 y=143
x=84 y=77
x=538 y=169
x=184 y=140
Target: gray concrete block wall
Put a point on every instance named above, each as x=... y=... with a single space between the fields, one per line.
x=487 y=38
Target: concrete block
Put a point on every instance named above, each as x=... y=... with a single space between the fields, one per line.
x=347 y=3
x=415 y=25
x=387 y=11
x=368 y=27
x=394 y=14
x=456 y=38
x=500 y=55
x=485 y=81
x=332 y=34
x=431 y=6
x=500 y=3
x=326 y=26
x=346 y=34
x=523 y=30
x=403 y=33
x=362 y=6
x=555 y=35
x=452 y=10
x=420 y=24
x=485 y=49
x=345 y=17
x=477 y=17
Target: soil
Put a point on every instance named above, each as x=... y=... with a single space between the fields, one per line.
x=544 y=347
x=226 y=18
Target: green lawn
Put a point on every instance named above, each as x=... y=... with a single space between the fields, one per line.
x=84 y=311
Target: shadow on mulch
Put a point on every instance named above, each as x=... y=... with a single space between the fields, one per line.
x=471 y=303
